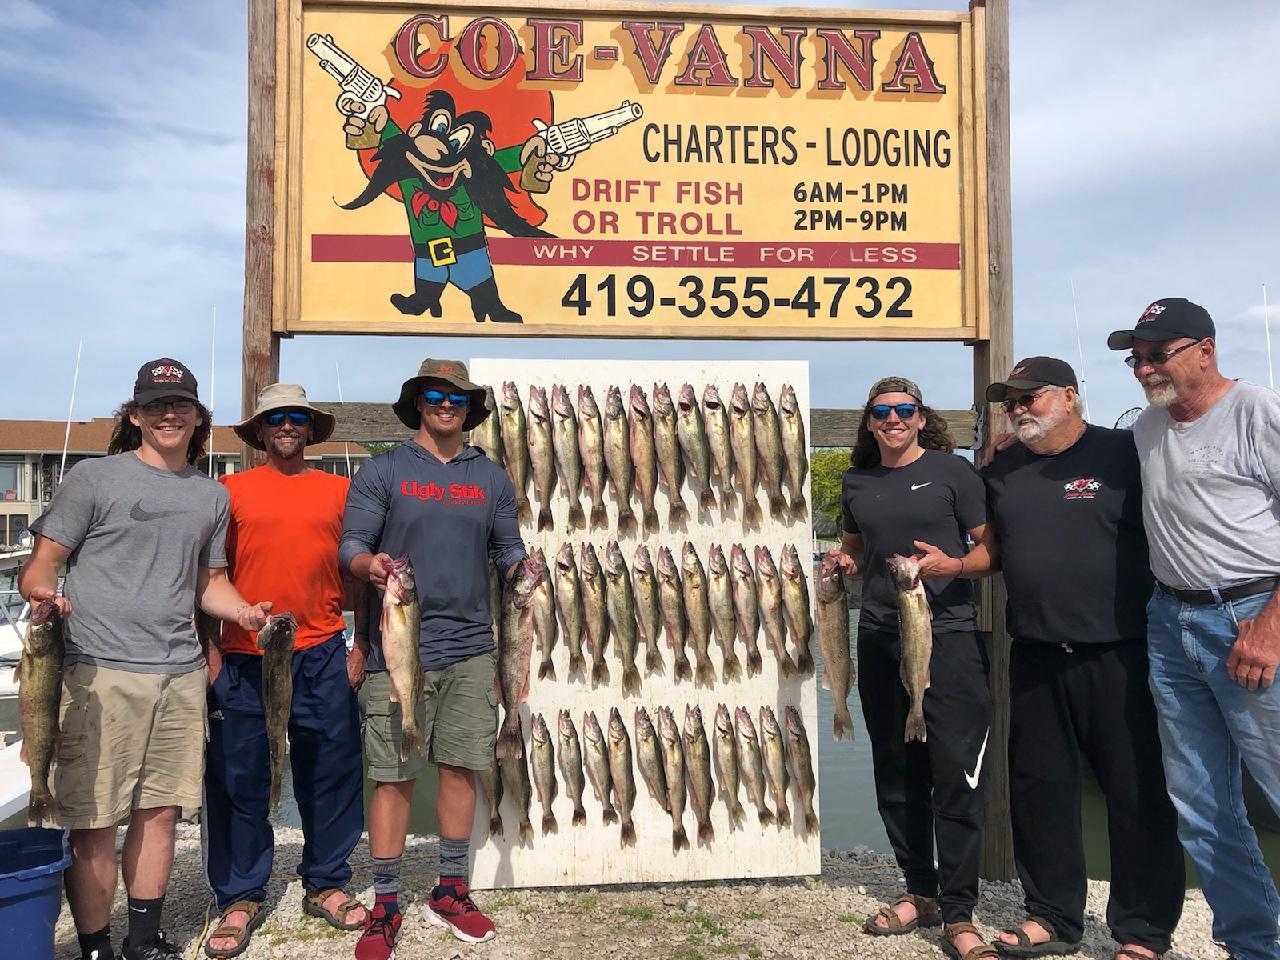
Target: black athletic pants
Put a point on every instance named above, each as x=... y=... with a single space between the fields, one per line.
x=934 y=788
x=1092 y=699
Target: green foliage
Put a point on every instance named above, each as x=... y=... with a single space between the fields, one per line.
x=377 y=447
x=636 y=913
x=826 y=468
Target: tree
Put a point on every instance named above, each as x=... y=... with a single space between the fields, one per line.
x=827 y=466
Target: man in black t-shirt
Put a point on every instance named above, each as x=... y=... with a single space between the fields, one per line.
x=1067 y=501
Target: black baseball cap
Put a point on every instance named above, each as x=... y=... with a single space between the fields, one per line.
x=164 y=377
x=1166 y=319
x=1031 y=373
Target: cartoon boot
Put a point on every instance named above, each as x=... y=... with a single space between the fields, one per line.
x=426 y=296
x=485 y=303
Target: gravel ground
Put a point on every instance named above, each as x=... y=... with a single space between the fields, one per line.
x=813 y=917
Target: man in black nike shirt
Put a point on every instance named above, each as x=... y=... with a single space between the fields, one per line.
x=1067 y=501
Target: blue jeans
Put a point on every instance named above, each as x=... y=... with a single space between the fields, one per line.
x=1208 y=723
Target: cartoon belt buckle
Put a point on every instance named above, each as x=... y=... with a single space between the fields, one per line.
x=441 y=251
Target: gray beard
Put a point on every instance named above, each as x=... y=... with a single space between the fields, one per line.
x=1160 y=394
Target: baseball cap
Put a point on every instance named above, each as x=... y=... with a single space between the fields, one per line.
x=164 y=377
x=1166 y=319
x=1031 y=373
x=894 y=385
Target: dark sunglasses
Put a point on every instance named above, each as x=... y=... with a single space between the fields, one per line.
x=905 y=411
x=1159 y=357
x=434 y=398
x=276 y=418
x=157 y=407
x=1024 y=401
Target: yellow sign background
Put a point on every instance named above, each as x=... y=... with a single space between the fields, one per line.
x=921 y=215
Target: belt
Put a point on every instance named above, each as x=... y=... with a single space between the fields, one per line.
x=1202 y=597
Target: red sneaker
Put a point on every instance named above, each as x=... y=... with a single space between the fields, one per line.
x=378 y=942
x=452 y=908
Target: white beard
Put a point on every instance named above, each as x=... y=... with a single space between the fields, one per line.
x=1032 y=429
x=1159 y=390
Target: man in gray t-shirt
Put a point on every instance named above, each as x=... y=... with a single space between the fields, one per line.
x=142 y=534
x=1209 y=448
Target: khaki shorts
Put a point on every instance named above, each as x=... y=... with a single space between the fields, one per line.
x=457 y=714
x=129 y=741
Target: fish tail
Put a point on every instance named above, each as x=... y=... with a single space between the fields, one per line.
x=706 y=832
x=843 y=723
x=784 y=816
x=777 y=506
x=599 y=673
x=546 y=670
x=600 y=518
x=495 y=825
x=524 y=510
x=650 y=519
x=275 y=787
x=576 y=663
x=915 y=726
x=42 y=806
x=509 y=745
x=526 y=831
x=544 y=518
x=755 y=663
x=411 y=742
x=678 y=513
x=798 y=507
x=707 y=499
x=804 y=662
x=766 y=816
x=736 y=812
x=549 y=824
x=732 y=668
x=706 y=673
x=752 y=515
x=626 y=519
x=683 y=669
x=609 y=816
x=653 y=659
x=810 y=822
x=577 y=519
x=679 y=839
x=630 y=680
x=628 y=834
x=579 y=816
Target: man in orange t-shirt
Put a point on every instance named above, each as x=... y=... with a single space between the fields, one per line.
x=282 y=543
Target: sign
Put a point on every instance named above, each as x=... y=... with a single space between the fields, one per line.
x=559 y=171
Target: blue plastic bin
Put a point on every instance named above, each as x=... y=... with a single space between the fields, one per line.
x=31 y=864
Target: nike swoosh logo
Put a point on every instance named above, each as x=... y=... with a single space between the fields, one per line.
x=138 y=513
x=972 y=778
x=136 y=910
x=917 y=486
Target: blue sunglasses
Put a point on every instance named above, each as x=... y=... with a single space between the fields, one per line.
x=276 y=418
x=905 y=411
x=434 y=398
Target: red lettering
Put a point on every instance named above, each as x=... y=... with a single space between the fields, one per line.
x=766 y=45
x=914 y=64
x=410 y=58
x=838 y=51
x=409 y=488
x=551 y=49
x=705 y=53
x=652 y=58
x=469 y=48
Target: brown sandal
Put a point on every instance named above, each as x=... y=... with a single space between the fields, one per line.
x=242 y=935
x=952 y=930
x=927 y=915
x=313 y=905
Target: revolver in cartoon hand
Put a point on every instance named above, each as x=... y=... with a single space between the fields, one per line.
x=360 y=90
x=566 y=140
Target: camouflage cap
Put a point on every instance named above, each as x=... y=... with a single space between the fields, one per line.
x=450 y=371
x=894 y=385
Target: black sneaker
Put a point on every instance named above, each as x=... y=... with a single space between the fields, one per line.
x=158 y=949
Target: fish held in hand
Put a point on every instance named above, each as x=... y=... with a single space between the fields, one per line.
x=39 y=699
x=518 y=633
x=915 y=633
x=401 y=627
x=275 y=640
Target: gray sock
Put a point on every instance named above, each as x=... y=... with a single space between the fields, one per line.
x=453 y=860
x=386 y=876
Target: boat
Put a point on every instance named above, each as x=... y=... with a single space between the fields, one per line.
x=14 y=614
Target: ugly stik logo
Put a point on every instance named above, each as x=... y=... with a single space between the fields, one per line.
x=459 y=494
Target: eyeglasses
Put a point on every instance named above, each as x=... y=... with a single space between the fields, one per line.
x=1024 y=401
x=433 y=398
x=905 y=411
x=155 y=408
x=276 y=418
x=1160 y=357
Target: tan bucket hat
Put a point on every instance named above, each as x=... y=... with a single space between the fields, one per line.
x=451 y=371
x=285 y=396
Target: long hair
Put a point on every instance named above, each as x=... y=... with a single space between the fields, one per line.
x=934 y=435
x=125 y=436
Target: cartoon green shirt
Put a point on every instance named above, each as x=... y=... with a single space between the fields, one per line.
x=427 y=224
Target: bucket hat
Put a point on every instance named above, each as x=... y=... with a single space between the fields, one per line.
x=285 y=396
x=451 y=371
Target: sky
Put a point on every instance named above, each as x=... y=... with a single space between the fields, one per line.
x=1145 y=164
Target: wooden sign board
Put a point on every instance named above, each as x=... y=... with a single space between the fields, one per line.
x=718 y=171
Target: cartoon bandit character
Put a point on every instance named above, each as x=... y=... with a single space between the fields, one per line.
x=450 y=177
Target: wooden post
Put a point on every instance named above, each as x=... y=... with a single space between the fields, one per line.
x=992 y=359
x=261 y=359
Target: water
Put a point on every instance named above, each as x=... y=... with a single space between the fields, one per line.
x=847 y=794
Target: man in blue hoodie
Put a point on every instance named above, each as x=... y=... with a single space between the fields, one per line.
x=452 y=511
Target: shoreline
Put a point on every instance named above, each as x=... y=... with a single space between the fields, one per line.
x=816 y=917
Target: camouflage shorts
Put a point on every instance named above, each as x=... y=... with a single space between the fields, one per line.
x=457 y=713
